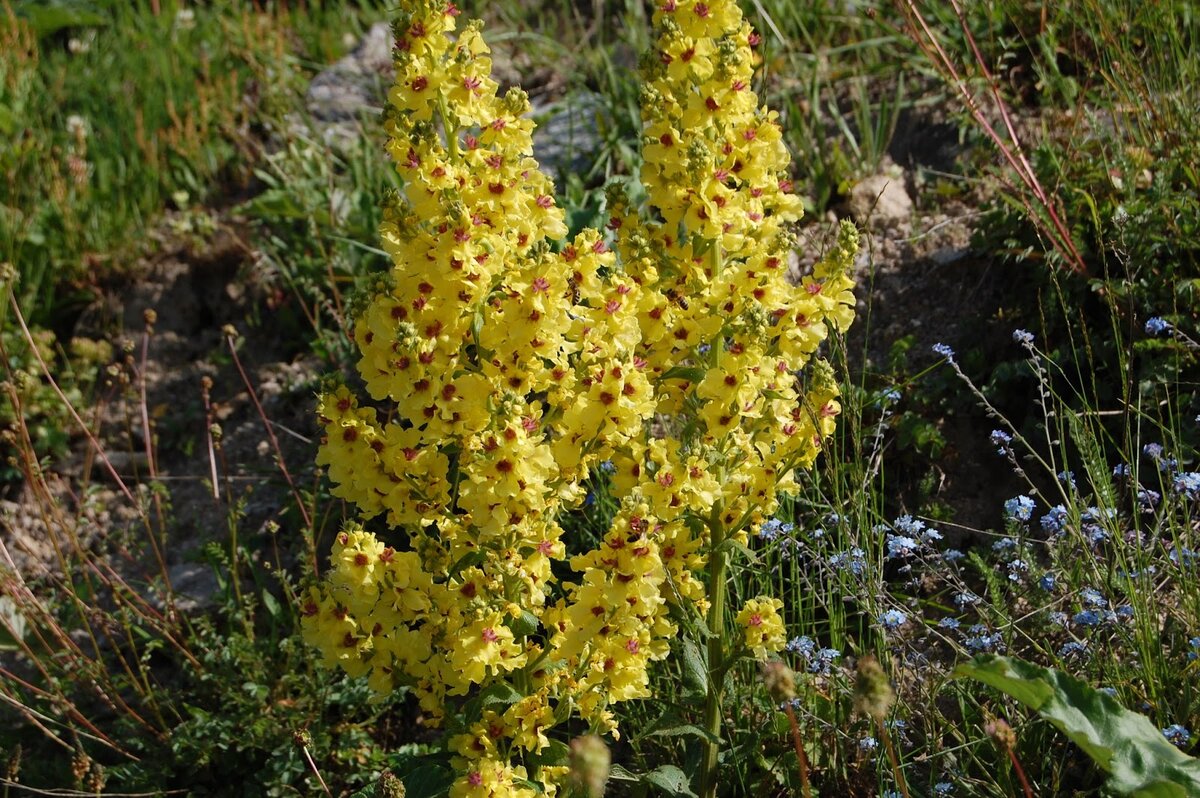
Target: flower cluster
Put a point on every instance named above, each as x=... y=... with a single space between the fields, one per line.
x=505 y=363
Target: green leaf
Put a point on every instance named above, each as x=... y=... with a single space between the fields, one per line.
x=684 y=729
x=1139 y=760
x=695 y=672
x=670 y=780
x=524 y=624
x=689 y=373
x=667 y=778
x=427 y=781
x=48 y=18
x=271 y=604
x=499 y=694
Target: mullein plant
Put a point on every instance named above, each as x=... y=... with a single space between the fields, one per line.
x=505 y=363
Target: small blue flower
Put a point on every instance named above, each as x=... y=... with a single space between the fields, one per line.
x=1121 y=471
x=966 y=599
x=1067 y=478
x=1087 y=618
x=1153 y=450
x=1111 y=692
x=1015 y=569
x=1004 y=544
x=607 y=467
x=901 y=546
x=908 y=525
x=1194 y=655
x=1019 y=508
x=853 y=561
x=952 y=555
x=1157 y=326
x=1058 y=618
x=943 y=788
x=941 y=350
x=1182 y=556
x=774 y=528
x=1187 y=484
x=822 y=662
x=1023 y=337
x=981 y=641
x=1055 y=520
x=867 y=744
x=1048 y=582
x=1073 y=649
x=1093 y=598
x=803 y=645
x=890 y=395
x=949 y=623
x=892 y=620
x=1001 y=440
x=704 y=349
x=1148 y=499
x=1178 y=735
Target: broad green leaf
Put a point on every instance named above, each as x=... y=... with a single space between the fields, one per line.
x=670 y=780
x=1139 y=760
x=427 y=781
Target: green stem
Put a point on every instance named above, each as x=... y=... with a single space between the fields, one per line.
x=717 y=561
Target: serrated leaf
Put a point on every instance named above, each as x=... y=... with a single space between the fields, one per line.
x=499 y=693
x=670 y=780
x=1139 y=760
x=524 y=624
x=684 y=729
x=619 y=773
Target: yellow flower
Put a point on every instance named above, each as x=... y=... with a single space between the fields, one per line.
x=762 y=628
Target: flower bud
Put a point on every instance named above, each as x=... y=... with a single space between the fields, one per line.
x=779 y=681
x=873 y=694
x=390 y=786
x=1001 y=733
x=590 y=762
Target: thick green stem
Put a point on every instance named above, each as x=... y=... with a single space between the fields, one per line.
x=717 y=561
x=716 y=659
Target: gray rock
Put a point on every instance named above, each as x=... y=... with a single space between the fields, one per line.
x=194 y=585
x=882 y=199
x=355 y=85
x=566 y=139
x=568 y=133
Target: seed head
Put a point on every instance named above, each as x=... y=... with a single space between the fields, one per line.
x=779 y=681
x=590 y=762
x=390 y=786
x=873 y=694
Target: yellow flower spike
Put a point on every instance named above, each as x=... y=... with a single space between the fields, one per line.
x=508 y=368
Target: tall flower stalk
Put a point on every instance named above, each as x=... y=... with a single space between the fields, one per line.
x=506 y=363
